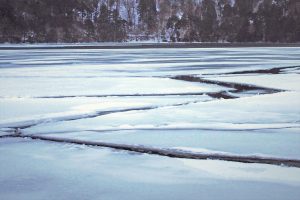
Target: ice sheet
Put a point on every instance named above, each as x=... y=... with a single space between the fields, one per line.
x=278 y=81
x=99 y=95
x=42 y=170
x=279 y=110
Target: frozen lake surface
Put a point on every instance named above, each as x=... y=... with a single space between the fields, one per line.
x=238 y=107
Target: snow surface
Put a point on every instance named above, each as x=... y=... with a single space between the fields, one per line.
x=128 y=96
x=43 y=170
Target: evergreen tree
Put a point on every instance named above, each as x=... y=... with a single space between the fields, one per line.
x=103 y=24
x=147 y=15
x=227 y=28
x=209 y=21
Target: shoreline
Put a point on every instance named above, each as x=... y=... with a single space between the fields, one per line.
x=24 y=46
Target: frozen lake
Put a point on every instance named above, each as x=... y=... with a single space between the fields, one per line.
x=226 y=104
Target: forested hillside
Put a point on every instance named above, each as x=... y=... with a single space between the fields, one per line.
x=156 y=20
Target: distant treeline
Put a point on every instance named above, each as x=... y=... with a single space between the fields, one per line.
x=159 y=20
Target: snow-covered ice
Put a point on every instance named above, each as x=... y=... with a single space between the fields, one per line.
x=42 y=170
x=131 y=97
